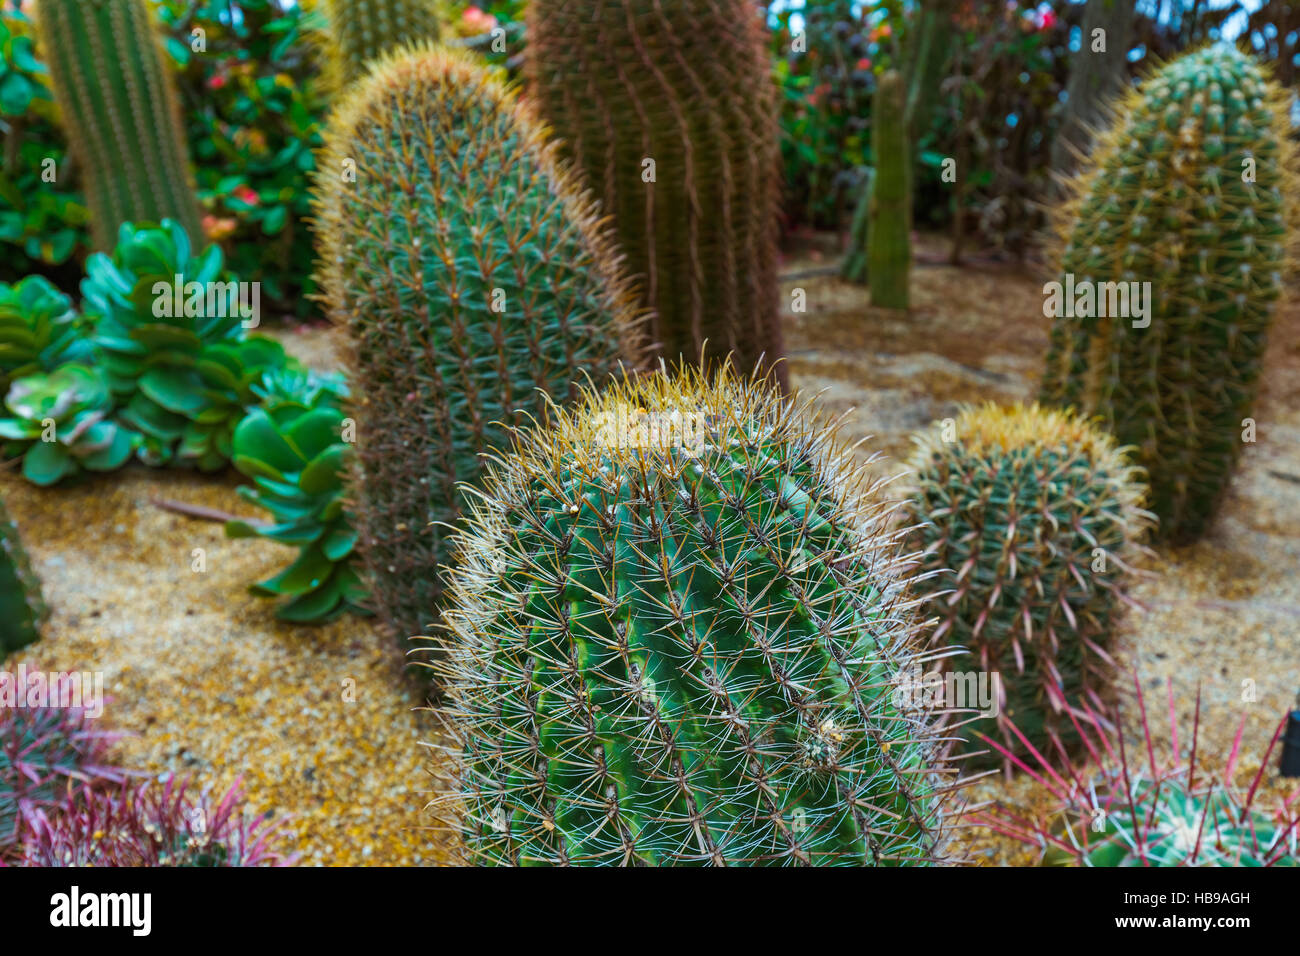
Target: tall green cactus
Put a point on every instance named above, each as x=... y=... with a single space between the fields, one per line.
x=670 y=112
x=889 y=230
x=120 y=112
x=361 y=31
x=1190 y=193
x=22 y=610
x=473 y=279
x=676 y=626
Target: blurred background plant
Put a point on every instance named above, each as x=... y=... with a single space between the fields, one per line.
x=822 y=56
x=43 y=219
x=253 y=109
x=492 y=28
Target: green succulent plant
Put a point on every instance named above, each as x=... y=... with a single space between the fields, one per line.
x=173 y=348
x=293 y=447
x=39 y=330
x=61 y=424
x=675 y=623
x=22 y=612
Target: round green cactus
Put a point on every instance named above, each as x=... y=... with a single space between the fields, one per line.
x=1027 y=520
x=676 y=624
x=22 y=611
x=473 y=278
x=1191 y=192
x=59 y=423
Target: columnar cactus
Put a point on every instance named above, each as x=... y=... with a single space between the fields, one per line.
x=1190 y=192
x=675 y=623
x=22 y=609
x=361 y=31
x=120 y=112
x=472 y=277
x=889 y=230
x=1038 y=515
x=670 y=112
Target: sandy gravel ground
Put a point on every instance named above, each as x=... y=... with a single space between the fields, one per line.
x=320 y=725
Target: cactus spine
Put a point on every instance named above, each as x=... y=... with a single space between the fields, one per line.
x=1191 y=191
x=674 y=628
x=470 y=272
x=670 y=112
x=889 y=232
x=1037 y=513
x=120 y=112
x=22 y=610
x=361 y=31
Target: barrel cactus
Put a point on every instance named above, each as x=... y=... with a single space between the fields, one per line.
x=362 y=31
x=675 y=626
x=120 y=112
x=472 y=277
x=1191 y=192
x=1028 y=520
x=22 y=608
x=43 y=752
x=670 y=112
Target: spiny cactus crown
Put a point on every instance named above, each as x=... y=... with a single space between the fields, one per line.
x=1027 y=519
x=1191 y=192
x=674 y=630
x=473 y=277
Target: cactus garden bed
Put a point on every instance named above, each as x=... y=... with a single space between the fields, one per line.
x=320 y=725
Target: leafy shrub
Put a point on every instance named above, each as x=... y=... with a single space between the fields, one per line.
x=253 y=108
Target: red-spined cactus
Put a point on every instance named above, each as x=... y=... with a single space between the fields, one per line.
x=1126 y=807
x=155 y=823
x=43 y=751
